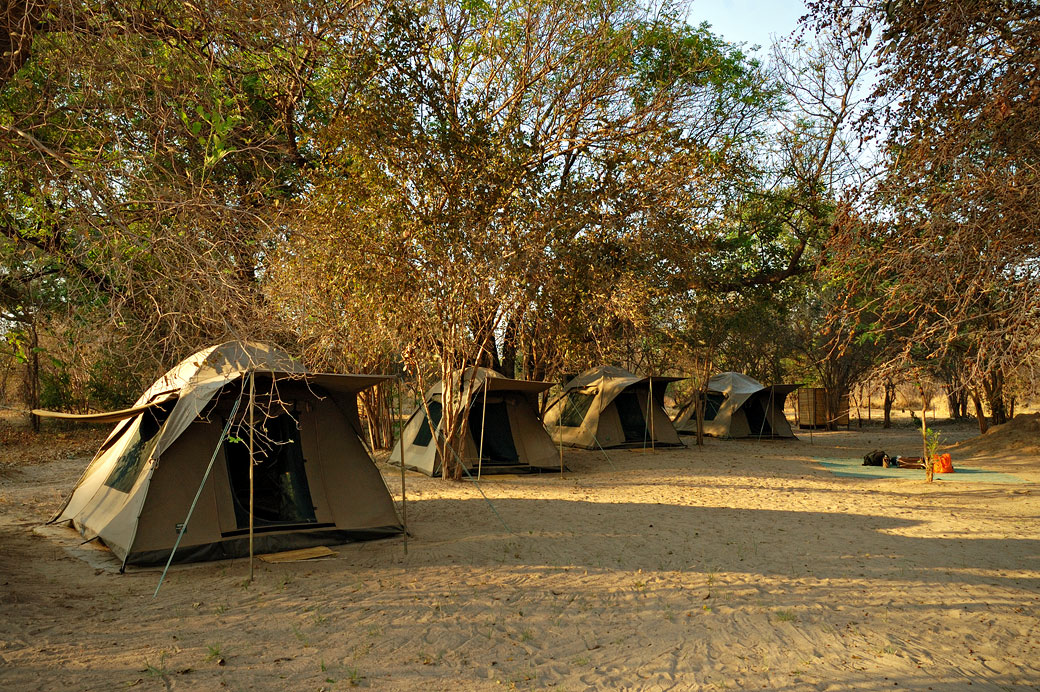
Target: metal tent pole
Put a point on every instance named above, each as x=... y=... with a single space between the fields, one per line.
x=483 y=417
x=252 y=413
x=561 y=446
x=650 y=411
x=594 y=436
x=198 y=493
x=404 y=497
x=483 y=494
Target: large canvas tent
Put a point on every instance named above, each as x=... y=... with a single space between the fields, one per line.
x=739 y=406
x=608 y=406
x=502 y=412
x=314 y=482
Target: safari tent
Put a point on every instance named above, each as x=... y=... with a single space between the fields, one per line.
x=314 y=482
x=503 y=413
x=739 y=406
x=611 y=407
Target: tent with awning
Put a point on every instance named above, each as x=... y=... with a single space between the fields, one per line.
x=608 y=406
x=314 y=481
x=738 y=406
x=502 y=431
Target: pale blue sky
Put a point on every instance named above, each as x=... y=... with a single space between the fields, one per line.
x=748 y=21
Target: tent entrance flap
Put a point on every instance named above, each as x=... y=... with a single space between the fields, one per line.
x=712 y=404
x=633 y=422
x=758 y=421
x=425 y=434
x=498 y=445
x=282 y=495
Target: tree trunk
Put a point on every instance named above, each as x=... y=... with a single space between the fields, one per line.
x=859 y=407
x=33 y=363
x=993 y=385
x=890 y=397
x=509 y=349
x=980 y=415
x=952 y=403
x=376 y=406
x=929 y=468
x=962 y=404
x=833 y=395
x=702 y=400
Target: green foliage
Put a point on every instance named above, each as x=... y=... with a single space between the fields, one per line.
x=932 y=441
x=56 y=390
x=542 y=186
x=111 y=385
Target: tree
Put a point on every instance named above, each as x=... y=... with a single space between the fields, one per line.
x=150 y=154
x=516 y=184
x=950 y=226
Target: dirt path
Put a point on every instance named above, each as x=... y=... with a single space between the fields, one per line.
x=740 y=566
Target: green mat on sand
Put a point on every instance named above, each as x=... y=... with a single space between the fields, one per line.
x=854 y=468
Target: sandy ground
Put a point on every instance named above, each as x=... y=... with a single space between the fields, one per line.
x=741 y=565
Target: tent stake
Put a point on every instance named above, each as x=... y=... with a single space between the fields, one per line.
x=198 y=494
x=404 y=497
x=252 y=409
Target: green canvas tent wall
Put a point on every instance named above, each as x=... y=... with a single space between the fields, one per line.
x=314 y=483
x=611 y=407
x=739 y=406
x=514 y=440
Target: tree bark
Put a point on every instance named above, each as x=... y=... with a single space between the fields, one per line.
x=980 y=415
x=509 y=349
x=928 y=464
x=952 y=403
x=834 y=396
x=993 y=386
x=890 y=397
x=33 y=364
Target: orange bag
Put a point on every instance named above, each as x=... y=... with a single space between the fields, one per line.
x=942 y=463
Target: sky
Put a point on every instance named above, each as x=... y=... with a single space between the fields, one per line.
x=748 y=21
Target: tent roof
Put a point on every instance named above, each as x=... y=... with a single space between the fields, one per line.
x=213 y=367
x=504 y=384
x=735 y=383
x=493 y=381
x=195 y=380
x=218 y=365
x=346 y=384
x=612 y=372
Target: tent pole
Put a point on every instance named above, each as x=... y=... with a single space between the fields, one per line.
x=765 y=416
x=404 y=497
x=769 y=415
x=559 y=428
x=483 y=494
x=646 y=423
x=594 y=436
x=812 y=416
x=198 y=494
x=650 y=410
x=252 y=413
x=483 y=417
